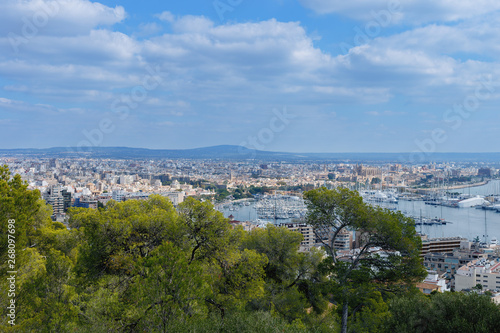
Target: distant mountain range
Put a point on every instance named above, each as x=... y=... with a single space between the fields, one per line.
x=228 y=152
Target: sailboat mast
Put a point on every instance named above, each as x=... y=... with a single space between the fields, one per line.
x=485 y=229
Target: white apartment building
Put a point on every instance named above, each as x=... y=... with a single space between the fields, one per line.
x=118 y=195
x=126 y=180
x=484 y=272
x=176 y=197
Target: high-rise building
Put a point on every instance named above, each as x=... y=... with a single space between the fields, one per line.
x=343 y=241
x=126 y=180
x=55 y=198
x=309 y=239
x=66 y=199
x=54 y=163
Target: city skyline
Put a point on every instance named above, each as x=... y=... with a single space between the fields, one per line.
x=291 y=76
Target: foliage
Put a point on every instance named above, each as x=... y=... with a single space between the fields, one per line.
x=290 y=276
x=21 y=205
x=111 y=240
x=170 y=288
x=448 y=312
x=388 y=259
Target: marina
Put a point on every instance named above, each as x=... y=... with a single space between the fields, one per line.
x=280 y=207
x=432 y=219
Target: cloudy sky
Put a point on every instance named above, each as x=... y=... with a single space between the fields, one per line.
x=282 y=75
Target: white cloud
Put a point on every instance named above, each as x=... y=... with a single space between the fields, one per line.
x=55 y=17
x=435 y=62
x=198 y=55
x=166 y=16
x=406 y=11
x=226 y=66
x=14 y=106
x=192 y=23
x=148 y=29
x=473 y=37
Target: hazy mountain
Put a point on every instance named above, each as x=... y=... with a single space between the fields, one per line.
x=229 y=152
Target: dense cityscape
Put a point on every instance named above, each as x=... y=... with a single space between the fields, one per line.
x=268 y=187
x=88 y=182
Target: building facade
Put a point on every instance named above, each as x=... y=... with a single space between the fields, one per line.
x=479 y=272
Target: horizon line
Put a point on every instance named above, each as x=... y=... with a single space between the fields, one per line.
x=258 y=150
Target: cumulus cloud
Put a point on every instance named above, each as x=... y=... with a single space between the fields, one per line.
x=198 y=56
x=406 y=11
x=436 y=62
x=473 y=37
x=55 y=17
x=166 y=16
x=203 y=61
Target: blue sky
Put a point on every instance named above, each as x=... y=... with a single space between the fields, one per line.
x=282 y=75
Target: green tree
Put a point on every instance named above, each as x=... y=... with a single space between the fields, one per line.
x=137 y=259
x=115 y=247
x=171 y=288
x=237 y=279
x=205 y=231
x=280 y=245
x=46 y=296
x=21 y=205
x=35 y=265
x=444 y=313
x=291 y=276
x=396 y=265
x=207 y=237
x=111 y=240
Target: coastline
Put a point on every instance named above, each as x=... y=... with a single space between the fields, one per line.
x=456 y=187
